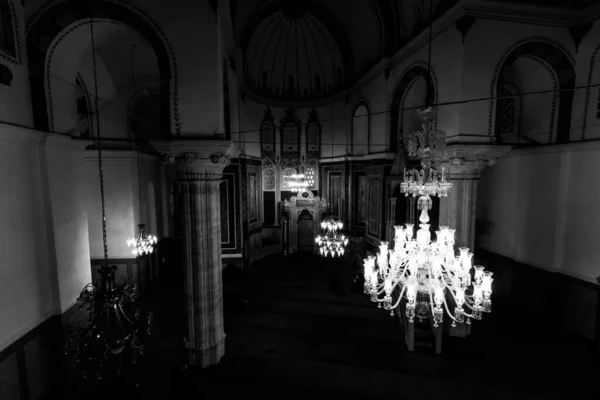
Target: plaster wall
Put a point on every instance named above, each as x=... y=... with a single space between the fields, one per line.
x=484 y=46
x=534 y=206
x=26 y=295
x=123 y=200
x=68 y=234
x=120 y=189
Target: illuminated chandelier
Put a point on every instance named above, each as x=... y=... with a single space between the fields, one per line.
x=298 y=183
x=143 y=243
x=425 y=271
x=331 y=241
x=425 y=183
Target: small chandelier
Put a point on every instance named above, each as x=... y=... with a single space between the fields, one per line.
x=115 y=328
x=331 y=240
x=425 y=183
x=143 y=243
x=425 y=271
x=298 y=183
x=428 y=143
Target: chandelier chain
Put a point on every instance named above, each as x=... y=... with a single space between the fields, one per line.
x=98 y=144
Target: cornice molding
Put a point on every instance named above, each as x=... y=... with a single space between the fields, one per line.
x=19 y=135
x=377 y=156
x=64 y=142
x=564 y=148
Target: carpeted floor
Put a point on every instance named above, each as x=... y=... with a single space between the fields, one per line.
x=299 y=327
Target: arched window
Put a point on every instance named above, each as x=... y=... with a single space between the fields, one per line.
x=361 y=130
x=7 y=31
x=290 y=135
x=267 y=135
x=313 y=135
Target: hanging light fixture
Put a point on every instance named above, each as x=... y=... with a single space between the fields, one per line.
x=425 y=271
x=143 y=244
x=331 y=241
x=425 y=182
x=112 y=335
x=428 y=143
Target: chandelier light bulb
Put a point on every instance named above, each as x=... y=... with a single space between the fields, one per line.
x=143 y=243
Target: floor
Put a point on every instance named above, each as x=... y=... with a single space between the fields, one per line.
x=300 y=327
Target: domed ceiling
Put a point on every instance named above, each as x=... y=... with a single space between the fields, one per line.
x=306 y=52
x=293 y=56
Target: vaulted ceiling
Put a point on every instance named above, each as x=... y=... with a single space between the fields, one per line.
x=310 y=50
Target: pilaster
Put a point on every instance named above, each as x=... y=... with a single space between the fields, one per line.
x=199 y=166
x=463 y=165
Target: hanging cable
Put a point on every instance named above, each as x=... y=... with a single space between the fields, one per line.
x=429 y=80
x=98 y=137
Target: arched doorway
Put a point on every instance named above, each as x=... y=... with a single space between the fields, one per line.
x=306 y=232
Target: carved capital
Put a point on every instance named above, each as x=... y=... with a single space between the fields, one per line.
x=197 y=160
x=467 y=161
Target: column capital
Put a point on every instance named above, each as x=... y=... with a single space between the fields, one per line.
x=466 y=161
x=197 y=159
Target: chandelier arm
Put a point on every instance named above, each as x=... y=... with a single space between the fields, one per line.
x=431 y=301
x=399 y=298
x=466 y=302
x=448 y=311
x=125 y=315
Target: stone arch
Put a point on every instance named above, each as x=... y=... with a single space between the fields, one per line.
x=561 y=61
x=363 y=102
x=80 y=82
x=50 y=21
x=13 y=54
x=407 y=77
x=588 y=90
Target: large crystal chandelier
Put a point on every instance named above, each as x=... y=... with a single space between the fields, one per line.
x=298 y=183
x=425 y=271
x=143 y=243
x=331 y=241
x=115 y=328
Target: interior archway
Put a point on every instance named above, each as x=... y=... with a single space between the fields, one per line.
x=51 y=25
x=557 y=63
x=406 y=78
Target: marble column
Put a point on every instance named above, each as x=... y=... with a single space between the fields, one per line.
x=463 y=165
x=199 y=171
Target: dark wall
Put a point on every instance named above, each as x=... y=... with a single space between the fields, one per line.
x=544 y=302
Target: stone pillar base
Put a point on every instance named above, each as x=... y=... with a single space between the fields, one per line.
x=206 y=357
